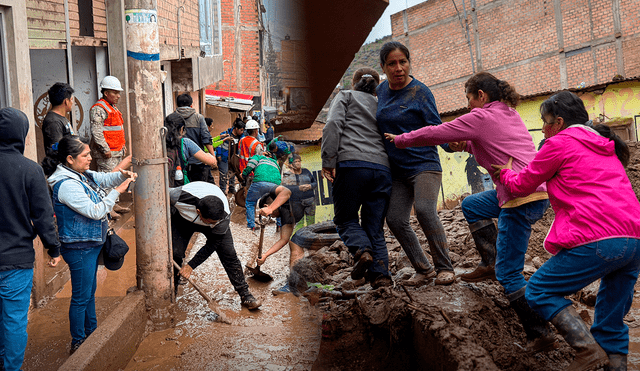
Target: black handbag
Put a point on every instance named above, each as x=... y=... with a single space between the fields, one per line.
x=114 y=250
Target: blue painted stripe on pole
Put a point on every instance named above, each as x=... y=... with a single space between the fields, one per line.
x=143 y=56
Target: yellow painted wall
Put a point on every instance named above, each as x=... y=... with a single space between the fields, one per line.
x=619 y=100
x=311 y=160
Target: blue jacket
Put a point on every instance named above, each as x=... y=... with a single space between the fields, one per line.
x=81 y=209
x=222 y=150
x=402 y=111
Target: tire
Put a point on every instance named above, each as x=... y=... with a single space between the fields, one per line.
x=316 y=236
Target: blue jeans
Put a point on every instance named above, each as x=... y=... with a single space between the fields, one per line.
x=514 y=230
x=15 y=293
x=256 y=191
x=369 y=189
x=616 y=261
x=83 y=264
x=223 y=174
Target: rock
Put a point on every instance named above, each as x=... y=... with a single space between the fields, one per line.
x=537 y=262
x=589 y=294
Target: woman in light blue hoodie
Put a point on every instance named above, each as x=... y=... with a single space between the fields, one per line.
x=82 y=207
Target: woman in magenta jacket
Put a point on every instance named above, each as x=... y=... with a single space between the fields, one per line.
x=595 y=235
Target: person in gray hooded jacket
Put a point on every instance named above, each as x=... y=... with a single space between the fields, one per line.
x=354 y=159
x=24 y=212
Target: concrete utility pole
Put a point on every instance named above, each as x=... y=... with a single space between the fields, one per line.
x=145 y=87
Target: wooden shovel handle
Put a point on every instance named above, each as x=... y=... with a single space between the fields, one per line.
x=261 y=240
x=200 y=291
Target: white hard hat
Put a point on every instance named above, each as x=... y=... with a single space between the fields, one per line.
x=252 y=124
x=111 y=83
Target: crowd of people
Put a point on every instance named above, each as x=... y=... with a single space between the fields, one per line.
x=381 y=158
x=379 y=152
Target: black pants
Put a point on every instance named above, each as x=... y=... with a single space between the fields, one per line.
x=181 y=232
x=360 y=203
x=200 y=173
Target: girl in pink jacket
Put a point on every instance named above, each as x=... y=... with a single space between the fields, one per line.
x=595 y=235
x=493 y=131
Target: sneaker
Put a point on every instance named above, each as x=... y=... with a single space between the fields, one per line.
x=419 y=279
x=249 y=302
x=283 y=290
x=445 y=278
x=363 y=263
x=74 y=347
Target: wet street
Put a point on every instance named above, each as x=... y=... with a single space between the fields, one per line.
x=284 y=334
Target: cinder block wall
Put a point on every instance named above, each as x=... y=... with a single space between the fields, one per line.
x=536 y=46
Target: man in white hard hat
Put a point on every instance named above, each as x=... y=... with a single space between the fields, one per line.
x=107 y=131
x=249 y=146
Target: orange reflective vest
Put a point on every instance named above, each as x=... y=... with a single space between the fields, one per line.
x=247 y=148
x=113 y=126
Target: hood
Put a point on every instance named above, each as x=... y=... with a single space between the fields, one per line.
x=186 y=112
x=590 y=139
x=61 y=173
x=14 y=127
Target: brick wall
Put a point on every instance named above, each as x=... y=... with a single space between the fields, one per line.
x=168 y=23
x=240 y=47
x=46 y=26
x=520 y=41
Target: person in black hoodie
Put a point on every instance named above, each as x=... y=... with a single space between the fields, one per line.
x=25 y=211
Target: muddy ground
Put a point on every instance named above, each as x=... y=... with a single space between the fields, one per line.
x=459 y=327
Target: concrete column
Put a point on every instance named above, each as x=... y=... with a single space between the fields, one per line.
x=116 y=39
x=145 y=98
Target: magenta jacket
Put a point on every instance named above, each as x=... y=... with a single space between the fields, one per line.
x=493 y=134
x=587 y=185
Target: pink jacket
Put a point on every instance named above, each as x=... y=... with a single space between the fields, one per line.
x=588 y=189
x=493 y=134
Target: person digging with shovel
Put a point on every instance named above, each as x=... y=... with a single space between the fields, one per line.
x=279 y=203
x=203 y=207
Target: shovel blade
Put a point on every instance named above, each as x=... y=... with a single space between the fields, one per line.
x=258 y=275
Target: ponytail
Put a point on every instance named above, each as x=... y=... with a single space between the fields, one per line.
x=69 y=145
x=497 y=90
x=622 y=150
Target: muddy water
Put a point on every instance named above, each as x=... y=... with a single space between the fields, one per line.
x=283 y=335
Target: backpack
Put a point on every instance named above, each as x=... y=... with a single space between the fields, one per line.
x=175 y=157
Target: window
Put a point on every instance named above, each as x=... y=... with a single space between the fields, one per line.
x=5 y=96
x=85 y=14
x=210 y=29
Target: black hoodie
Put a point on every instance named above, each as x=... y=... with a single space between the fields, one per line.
x=25 y=205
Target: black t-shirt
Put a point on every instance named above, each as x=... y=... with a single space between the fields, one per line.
x=54 y=127
x=291 y=212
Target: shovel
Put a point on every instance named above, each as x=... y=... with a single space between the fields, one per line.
x=257 y=274
x=212 y=304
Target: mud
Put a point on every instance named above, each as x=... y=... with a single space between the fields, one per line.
x=284 y=334
x=458 y=327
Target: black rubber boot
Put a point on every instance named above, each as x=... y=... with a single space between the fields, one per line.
x=539 y=332
x=485 y=235
x=617 y=362
x=589 y=355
